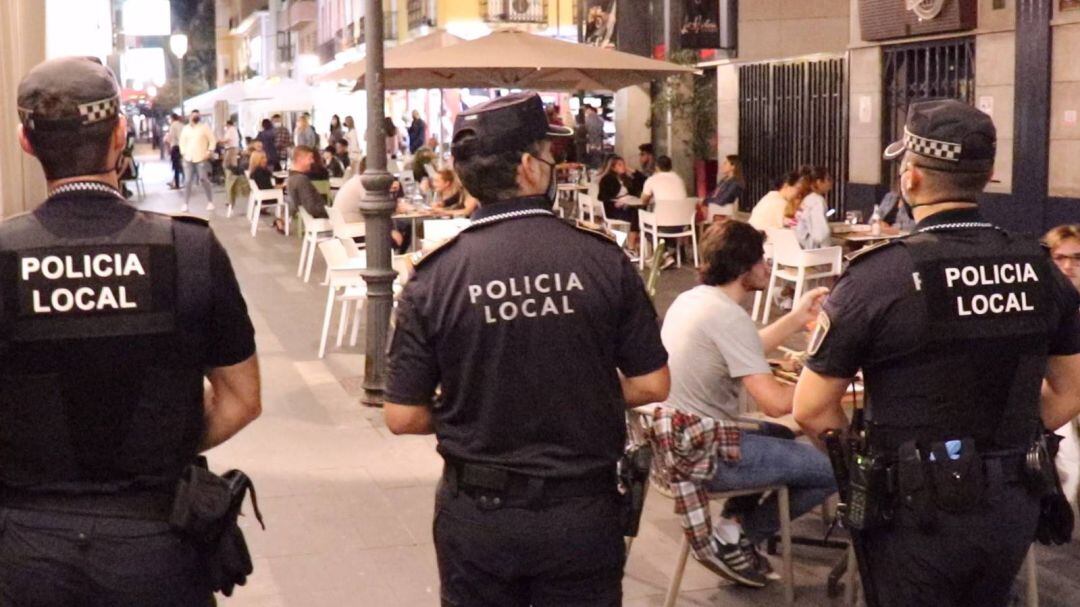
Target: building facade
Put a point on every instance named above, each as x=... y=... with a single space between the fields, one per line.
x=829 y=82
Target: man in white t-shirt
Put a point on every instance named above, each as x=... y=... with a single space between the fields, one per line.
x=197 y=144
x=662 y=187
x=771 y=210
x=717 y=357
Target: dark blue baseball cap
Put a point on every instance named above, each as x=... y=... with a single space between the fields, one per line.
x=506 y=124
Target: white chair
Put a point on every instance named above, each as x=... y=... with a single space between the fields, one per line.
x=767 y=250
x=593 y=209
x=792 y=263
x=345 y=285
x=259 y=199
x=716 y=210
x=342 y=228
x=315 y=231
x=438 y=230
x=676 y=219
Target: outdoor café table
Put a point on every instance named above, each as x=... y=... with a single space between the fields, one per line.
x=413 y=216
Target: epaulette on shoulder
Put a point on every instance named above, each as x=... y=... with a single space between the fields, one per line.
x=422 y=256
x=596 y=230
x=185 y=217
x=866 y=251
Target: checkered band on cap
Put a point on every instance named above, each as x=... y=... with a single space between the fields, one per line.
x=942 y=150
x=96 y=111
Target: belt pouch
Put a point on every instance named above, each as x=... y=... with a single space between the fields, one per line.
x=201 y=505
x=958 y=483
x=913 y=484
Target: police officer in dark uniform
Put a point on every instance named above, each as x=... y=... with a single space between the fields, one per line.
x=110 y=318
x=539 y=335
x=956 y=329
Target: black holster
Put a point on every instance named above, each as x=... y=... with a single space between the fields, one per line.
x=633 y=483
x=1056 y=517
x=206 y=510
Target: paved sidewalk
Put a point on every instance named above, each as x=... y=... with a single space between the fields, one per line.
x=348 y=506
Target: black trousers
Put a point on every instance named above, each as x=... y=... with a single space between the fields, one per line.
x=177 y=165
x=65 y=560
x=566 y=553
x=971 y=559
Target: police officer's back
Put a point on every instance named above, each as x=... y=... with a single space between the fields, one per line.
x=109 y=320
x=955 y=328
x=525 y=323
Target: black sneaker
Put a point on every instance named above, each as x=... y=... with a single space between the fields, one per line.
x=761 y=562
x=732 y=562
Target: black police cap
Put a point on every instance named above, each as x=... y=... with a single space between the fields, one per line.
x=508 y=123
x=68 y=93
x=957 y=136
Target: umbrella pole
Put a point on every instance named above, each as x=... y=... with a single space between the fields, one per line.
x=376 y=205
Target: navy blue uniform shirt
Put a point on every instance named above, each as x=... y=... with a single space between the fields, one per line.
x=523 y=321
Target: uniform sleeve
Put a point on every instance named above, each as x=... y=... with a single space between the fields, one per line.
x=413 y=372
x=640 y=350
x=740 y=344
x=232 y=337
x=1065 y=338
x=843 y=333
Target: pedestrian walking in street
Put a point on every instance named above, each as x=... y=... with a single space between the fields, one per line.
x=417 y=132
x=305 y=133
x=172 y=140
x=197 y=145
x=103 y=411
x=537 y=361
x=283 y=140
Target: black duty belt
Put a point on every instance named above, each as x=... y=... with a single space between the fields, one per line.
x=142 y=505
x=1009 y=467
x=498 y=487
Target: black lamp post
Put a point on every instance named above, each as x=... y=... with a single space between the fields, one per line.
x=377 y=206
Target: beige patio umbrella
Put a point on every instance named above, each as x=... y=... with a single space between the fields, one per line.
x=354 y=70
x=512 y=59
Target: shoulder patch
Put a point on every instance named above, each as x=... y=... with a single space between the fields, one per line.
x=821 y=329
x=422 y=256
x=596 y=230
x=869 y=249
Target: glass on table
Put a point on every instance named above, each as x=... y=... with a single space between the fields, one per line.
x=853 y=217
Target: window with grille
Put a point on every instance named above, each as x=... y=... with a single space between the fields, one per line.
x=791 y=114
x=925 y=70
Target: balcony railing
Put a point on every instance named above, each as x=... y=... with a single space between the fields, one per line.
x=355 y=34
x=420 y=14
x=514 y=11
x=326 y=51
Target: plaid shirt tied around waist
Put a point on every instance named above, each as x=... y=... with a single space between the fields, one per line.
x=690 y=448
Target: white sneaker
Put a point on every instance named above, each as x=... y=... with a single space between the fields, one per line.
x=184 y=208
x=209 y=207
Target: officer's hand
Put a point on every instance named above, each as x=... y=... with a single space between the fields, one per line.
x=809 y=306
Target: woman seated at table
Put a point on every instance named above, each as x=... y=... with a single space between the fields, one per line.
x=259 y=171
x=450 y=198
x=616 y=193
x=811 y=224
x=318 y=170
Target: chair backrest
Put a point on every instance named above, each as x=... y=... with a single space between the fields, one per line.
x=716 y=210
x=333 y=252
x=273 y=194
x=585 y=207
x=786 y=248
x=594 y=189
x=306 y=217
x=352 y=249
x=442 y=229
x=675 y=213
